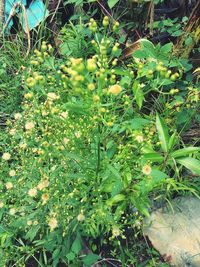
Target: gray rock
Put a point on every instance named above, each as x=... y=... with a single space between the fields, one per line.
x=175 y=232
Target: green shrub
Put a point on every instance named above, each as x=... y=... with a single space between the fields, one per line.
x=77 y=163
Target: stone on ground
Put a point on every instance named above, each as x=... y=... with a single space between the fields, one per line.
x=175 y=232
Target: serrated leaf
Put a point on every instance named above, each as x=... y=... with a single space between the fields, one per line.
x=191 y=164
x=184 y=152
x=162 y=133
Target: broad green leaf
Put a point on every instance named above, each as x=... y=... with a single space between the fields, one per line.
x=77 y=244
x=138 y=94
x=90 y=259
x=166 y=48
x=154 y=157
x=162 y=133
x=148 y=47
x=158 y=176
x=191 y=164
x=139 y=123
x=140 y=54
x=184 y=152
x=117 y=187
x=112 y=3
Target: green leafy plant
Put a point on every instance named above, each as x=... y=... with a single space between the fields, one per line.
x=76 y=173
x=170 y=154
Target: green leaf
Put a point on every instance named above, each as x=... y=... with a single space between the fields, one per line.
x=166 y=48
x=139 y=123
x=177 y=33
x=112 y=3
x=77 y=244
x=148 y=47
x=138 y=93
x=172 y=141
x=191 y=164
x=31 y=234
x=158 y=176
x=162 y=133
x=56 y=254
x=154 y=157
x=184 y=152
x=117 y=198
x=70 y=256
x=139 y=54
x=117 y=187
x=90 y=259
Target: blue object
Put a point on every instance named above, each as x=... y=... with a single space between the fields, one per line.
x=8 y=6
x=36 y=13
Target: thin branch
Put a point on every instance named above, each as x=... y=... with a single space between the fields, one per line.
x=2 y=7
x=55 y=11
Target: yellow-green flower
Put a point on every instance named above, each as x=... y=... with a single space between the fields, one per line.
x=115 y=89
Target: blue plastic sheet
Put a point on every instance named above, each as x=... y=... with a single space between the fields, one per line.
x=36 y=13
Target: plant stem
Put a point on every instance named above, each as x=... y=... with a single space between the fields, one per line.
x=2 y=6
x=98 y=152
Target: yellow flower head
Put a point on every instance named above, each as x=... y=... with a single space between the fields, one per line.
x=64 y=114
x=6 y=156
x=12 y=211
x=12 y=173
x=9 y=185
x=96 y=98
x=28 y=95
x=17 y=116
x=66 y=140
x=32 y=192
x=29 y=223
x=1 y=204
x=77 y=134
x=53 y=223
x=91 y=86
x=12 y=131
x=29 y=125
x=43 y=184
x=81 y=217
x=116 y=231
x=52 y=96
x=115 y=89
x=139 y=138
x=45 y=198
x=146 y=169
x=110 y=123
